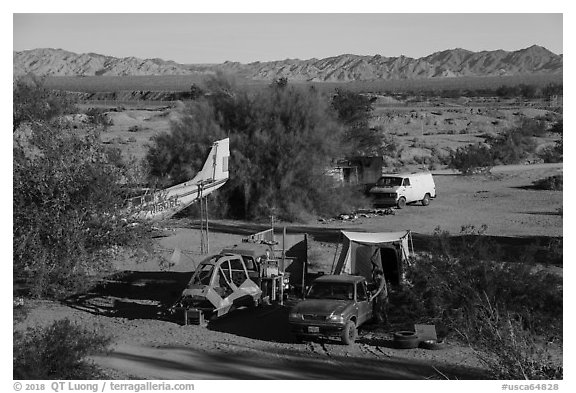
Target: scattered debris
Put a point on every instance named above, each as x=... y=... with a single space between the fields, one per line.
x=363 y=213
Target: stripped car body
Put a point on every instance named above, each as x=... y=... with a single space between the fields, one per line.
x=242 y=275
x=335 y=306
x=219 y=284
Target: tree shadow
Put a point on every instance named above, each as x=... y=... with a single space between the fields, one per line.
x=132 y=294
x=247 y=363
x=269 y=323
x=554 y=213
x=533 y=187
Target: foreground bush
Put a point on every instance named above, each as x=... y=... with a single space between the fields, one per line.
x=33 y=102
x=67 y=197
x=67 y=210
x=506 y=347
x=504 y=310
x=58 y=351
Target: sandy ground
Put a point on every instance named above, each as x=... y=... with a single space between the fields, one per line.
x=256 y=344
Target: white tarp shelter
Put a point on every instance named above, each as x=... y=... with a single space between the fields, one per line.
x=363 y=252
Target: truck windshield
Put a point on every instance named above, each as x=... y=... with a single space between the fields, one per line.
x=389 y=181
x=331 y=290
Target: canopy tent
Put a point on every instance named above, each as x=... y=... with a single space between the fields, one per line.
x=363 y=252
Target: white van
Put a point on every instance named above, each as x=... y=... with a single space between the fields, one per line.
x=401 y=188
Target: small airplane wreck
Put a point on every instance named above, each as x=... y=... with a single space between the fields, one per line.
x=161 y=204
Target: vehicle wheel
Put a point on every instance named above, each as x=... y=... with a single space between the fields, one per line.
x=426 y=200
x=298 y=338
x=349 y=333
x=405 y=340
x=401 y=203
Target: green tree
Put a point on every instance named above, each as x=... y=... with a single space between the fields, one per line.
x=66 y=197
x=67 y=202
x=176 y=156
x=282 y=140
x=354 y=111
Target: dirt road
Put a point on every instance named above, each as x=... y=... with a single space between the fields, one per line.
x=255 y=345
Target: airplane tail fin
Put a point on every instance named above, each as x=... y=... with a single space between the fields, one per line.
x=165 y=203
x=216 y=165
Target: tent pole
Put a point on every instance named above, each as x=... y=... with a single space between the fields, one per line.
x=335 y=253
x=334 y=260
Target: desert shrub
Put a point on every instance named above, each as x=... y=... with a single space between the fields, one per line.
x=552 y=183
x=33 y=102
x=419 y=143
x=66 y=217
x=512 y=147
x=281 y=138
x=58 y=351
x=552 y=89
x=506 y=347
x=470 y=159
x=503 y=310
x=552 y=154
x=66 y=198
x=520 y=90
x=20 y=309
x=531 y=127
x=558 y=127
x=555 y=248
x=460 y=269
x=98 y=117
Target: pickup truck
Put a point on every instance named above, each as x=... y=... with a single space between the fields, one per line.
x=335 y=306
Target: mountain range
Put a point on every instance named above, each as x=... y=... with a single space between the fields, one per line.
x=343 y=68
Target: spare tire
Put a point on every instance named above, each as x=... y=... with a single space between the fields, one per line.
x=433 y=345
x=405 y=340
